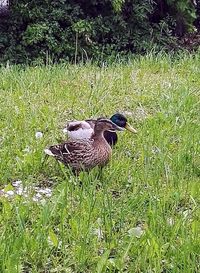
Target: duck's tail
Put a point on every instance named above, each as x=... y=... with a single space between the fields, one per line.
x=56 y=151
x=49 y=152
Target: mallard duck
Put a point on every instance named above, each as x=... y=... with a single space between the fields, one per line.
x=85 y=154
x=85 y=128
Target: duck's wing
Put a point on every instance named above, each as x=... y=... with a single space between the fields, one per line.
x=91 y=122
x=79 y=129
x=68 y=151
x=74 y=125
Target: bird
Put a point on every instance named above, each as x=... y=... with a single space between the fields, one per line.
x=84 y=129
x=85 y=154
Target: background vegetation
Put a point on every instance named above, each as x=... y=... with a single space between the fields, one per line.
x=78 y=30
x=143 y=215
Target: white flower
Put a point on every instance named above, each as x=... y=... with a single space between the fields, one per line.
x=99 y=233
x=27 y=150
x=43 y=201
x=136 y=231
x=187 y=213
x=48 y=194
x=65 y=131
x=44 y=191
x=170 y=221
x=35 y=199
x=38 y=195
x=99 y=221
x=38 y=134
x=48 y=190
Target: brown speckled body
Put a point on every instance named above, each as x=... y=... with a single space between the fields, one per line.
x=85 y=154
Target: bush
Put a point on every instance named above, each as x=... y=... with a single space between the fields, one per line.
x=78 y=30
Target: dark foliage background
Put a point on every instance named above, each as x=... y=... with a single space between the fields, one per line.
x=80 y=30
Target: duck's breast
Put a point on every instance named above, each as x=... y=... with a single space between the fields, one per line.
x=101 y=153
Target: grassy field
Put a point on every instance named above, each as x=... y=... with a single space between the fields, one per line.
x=143 y=215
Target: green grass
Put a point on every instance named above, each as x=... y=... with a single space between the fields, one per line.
x=152 y=181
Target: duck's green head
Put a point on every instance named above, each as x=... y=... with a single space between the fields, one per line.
x=121 y=121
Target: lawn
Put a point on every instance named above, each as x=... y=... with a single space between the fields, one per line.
x=142 y=215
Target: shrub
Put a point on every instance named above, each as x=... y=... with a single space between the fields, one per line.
x=78 y=30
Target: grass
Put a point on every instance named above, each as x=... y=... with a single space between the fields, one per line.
x=143 y=215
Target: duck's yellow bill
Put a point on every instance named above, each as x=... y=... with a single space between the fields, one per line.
x=131 y=129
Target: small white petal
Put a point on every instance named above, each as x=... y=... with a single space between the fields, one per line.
x=35 y=199
x=170 y=221
x=27 y=150
x=128 y=113
x=19 y=191
x=65 y=131
x=48 y=190
x=186 y=213
x=99 y=233
x=44 y=191
x=25 y=189
x=17 y=183
x=10 y=193
x=48 y=194
x=43 y=201
x=38 y=134
x=38 y=195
